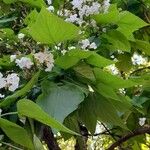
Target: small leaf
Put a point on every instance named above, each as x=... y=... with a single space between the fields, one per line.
x=30 y=109
x=98 y=61
x=16 y=133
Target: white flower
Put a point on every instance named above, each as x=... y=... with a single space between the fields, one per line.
x=106 y=5
x=85 y=43
x=12 y=81
x=51 y=9
x=122 y=91
x=93 y=45
x=142 y=121
x=21 y=36
x=113 y=69
x=45 y=58
x=12 y=58
x=24 y=63
x=2 y=81
x=77 y=4
x=2 y=96
x=49 y=2
x=138 y=59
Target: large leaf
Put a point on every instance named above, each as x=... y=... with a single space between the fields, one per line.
x=128 y=23
x=22 y=92
x=30 y=109
x=99 y=107
x=59 y=101
x=118 y=41
x=16 y=133
x=50 y=29
x=112 y=80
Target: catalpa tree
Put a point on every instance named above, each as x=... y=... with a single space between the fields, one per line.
x=69 y=68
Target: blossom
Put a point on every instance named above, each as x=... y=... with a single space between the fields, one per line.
x=51 y=9
x=106 y=5
x=21 y=36
x=12 y=81
x=49 y=2
x=12 y=58
x=24 y=62
x=93 y=45
x=138 y=59
x=45 y=58
x=2 y=96
x=77 y=4
x=113 y=69
x=142 y=121
x=85 y=43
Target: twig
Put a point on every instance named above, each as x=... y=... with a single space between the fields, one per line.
x=8 y=144
x=139 y=131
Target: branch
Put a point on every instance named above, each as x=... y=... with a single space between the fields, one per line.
x=139 y=131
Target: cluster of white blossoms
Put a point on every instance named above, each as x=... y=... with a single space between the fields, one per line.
x=142 y=121
x=24 y=63
x=45 y=58
x=42 y=58
x=85 y=44
x=82 y=9
x=139 y=59
x=11 y=82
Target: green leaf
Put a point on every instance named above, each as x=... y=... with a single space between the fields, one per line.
x=143 y=46
x=117 y=40
x=124 y=62
x=98 y=61
x=34 y=3
x=71 y=58
x=85 y=71
x=31 y=17
x=107 y=91
x=59 y=101
x=112 y=80
x=50 y=29
x=16 y=133
x=37 y=143
x=30 y=109
x=128 y=23
x=66 y=61
x=101 y=108
x=110 y=17
x=20 y=93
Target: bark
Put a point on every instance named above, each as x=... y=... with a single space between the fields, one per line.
x=139 y=131
x=49 y=139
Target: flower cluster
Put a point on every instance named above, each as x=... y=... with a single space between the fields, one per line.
x=11 y=82
x=86 y=44
x=42 y=58
x=138 y=59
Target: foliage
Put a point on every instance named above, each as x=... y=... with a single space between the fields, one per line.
x=72 y=65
